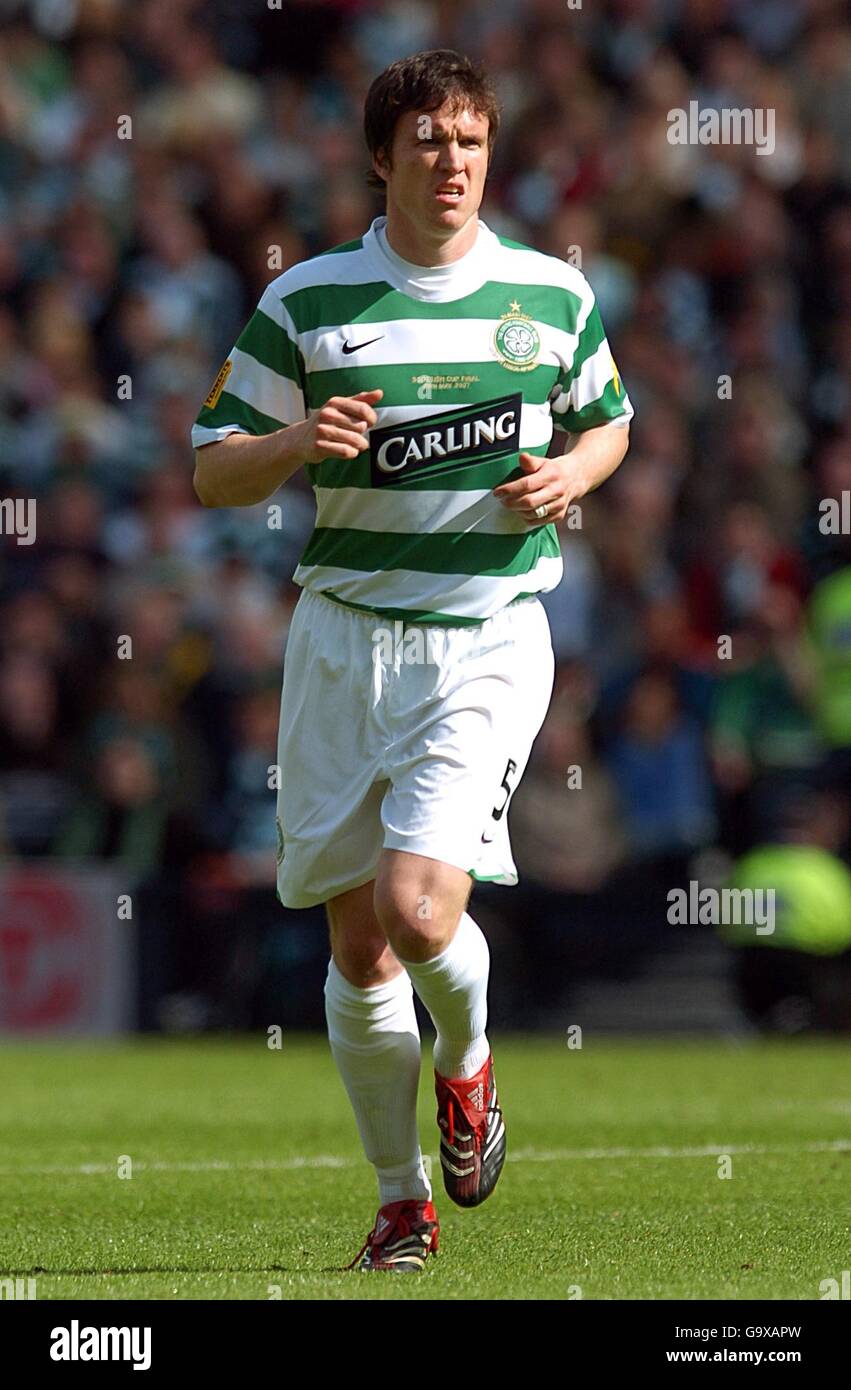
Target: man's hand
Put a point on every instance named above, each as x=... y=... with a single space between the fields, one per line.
x=547 y=483
x=337 y=429
x=243 y=469
x=555 y=483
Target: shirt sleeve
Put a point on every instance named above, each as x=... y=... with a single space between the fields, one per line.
x=261 y=386
x=590 y=391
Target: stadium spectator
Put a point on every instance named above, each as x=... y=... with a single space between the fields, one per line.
x=797 y=975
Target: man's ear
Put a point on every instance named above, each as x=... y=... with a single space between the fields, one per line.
x=381 y=164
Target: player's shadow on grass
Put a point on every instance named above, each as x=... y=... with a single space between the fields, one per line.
x=166 y=1269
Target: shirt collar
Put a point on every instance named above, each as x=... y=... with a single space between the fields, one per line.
x=434 y=282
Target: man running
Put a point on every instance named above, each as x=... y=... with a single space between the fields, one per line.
x=417 y=373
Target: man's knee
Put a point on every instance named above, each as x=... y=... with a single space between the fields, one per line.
x=358 y=943
x=418 y=903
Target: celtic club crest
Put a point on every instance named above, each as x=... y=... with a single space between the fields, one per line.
x=516 y=340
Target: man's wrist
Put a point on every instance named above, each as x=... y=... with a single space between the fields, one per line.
x=291 y=448
x=579 y=483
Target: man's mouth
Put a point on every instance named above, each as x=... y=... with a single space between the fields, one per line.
x=450 y=192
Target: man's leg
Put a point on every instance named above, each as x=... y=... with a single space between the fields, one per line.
x=375 y=1042
x=421 y=905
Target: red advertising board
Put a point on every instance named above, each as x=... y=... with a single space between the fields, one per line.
x=66 y=959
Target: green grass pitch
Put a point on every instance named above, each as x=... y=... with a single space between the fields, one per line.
x=247 y=1177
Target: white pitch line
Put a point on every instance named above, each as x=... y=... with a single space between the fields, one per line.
x=219 y=1165
x=704 y=1151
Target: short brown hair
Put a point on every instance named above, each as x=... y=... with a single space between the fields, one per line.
x=424 y=82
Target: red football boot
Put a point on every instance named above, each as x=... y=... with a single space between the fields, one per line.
x=472 y=1135
x=403 y=1235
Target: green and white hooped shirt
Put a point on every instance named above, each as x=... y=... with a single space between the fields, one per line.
x=477 y=360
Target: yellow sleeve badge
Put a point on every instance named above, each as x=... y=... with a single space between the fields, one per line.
x=218 y=386
x=616 y=378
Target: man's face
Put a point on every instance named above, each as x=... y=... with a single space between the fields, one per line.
x=434 y=152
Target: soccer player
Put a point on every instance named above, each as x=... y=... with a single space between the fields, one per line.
x=417 y=374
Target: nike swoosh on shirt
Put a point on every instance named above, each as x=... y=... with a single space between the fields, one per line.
x=355 y=347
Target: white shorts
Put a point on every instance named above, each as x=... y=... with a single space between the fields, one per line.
x=403 y=736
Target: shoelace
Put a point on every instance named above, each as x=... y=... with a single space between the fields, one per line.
x=479 y=1131
x=491 y=1110
x=401 y=1228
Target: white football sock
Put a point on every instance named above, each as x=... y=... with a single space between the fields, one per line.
x=375 y=1041
x=454 y=988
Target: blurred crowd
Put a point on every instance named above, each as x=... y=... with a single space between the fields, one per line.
x=162 y=160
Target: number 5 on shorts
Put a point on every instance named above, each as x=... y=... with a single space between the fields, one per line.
x=499 y=811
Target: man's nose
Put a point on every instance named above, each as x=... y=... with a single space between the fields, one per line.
x=452 y=157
